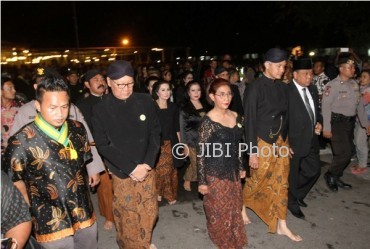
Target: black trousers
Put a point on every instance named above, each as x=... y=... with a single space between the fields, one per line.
x=341 y=143
x=304 y=172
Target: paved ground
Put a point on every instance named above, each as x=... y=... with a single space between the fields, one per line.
x=333 y=220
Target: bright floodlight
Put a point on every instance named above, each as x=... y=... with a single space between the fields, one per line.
x=125 y=41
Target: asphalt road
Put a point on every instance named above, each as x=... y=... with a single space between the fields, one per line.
x=333 y=220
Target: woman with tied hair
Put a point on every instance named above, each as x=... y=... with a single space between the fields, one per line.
x=219 y=176
x=168 y=114
x=191 y=113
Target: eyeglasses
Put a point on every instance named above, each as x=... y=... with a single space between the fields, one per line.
x=223 y=95
x=122 y=86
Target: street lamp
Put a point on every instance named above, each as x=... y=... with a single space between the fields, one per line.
x=125 y=41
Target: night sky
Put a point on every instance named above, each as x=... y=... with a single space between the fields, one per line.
x=234 y=27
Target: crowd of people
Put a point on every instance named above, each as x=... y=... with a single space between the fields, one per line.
x=114 y=130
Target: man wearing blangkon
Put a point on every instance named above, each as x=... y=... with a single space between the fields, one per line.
x=266 y=125
x=127 y=135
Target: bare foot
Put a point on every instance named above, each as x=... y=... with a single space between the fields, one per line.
x=152 y=246
x=283 y=229
x=246 y=219
x=187 y=186
x=172 y=202
x=159 y=198
x=108 y=225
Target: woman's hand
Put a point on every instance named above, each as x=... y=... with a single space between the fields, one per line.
x=242 y=173
x=203 y=189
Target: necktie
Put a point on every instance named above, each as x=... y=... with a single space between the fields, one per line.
x=308 y=106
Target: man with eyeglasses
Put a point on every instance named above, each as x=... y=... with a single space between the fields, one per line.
x=339 y=105
x=127 y=134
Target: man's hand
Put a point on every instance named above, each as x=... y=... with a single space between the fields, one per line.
x=140 y=172
x=253 y=161
x=186 y=150
x=94 y=180
x=242 y=173
x=203 y=189
x=318 y=128
x=367 y=97
x=327 y=134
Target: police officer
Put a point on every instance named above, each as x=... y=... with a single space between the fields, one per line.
x=339 y=105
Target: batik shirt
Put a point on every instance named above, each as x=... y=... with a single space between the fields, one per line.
x=320 y=81
x=56 y=184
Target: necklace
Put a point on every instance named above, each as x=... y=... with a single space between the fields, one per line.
x=271 y=135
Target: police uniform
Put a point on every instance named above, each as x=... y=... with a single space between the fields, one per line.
x=339 y=104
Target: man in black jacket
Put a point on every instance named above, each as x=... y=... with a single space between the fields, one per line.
x=95 y=82
x=304 y=128
x=127 y=131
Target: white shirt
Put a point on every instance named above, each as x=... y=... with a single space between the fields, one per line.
x=310 y=99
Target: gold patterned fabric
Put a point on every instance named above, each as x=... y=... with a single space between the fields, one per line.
x=266 y=191
x=56 y=184
x=166 y=174
x=105 y=196
x=135 y=210
x=191 y=173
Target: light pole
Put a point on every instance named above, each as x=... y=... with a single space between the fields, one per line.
x=125 y=42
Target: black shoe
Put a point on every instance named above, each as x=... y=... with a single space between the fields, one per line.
x=331 y=182
x=296 y=212
x=343 y=185
x=301 y=203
